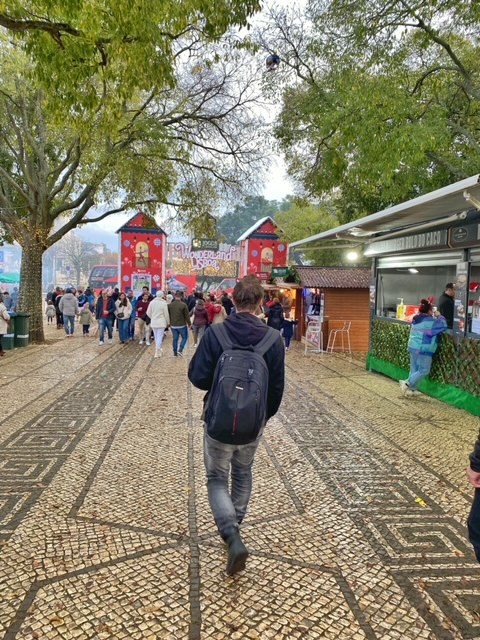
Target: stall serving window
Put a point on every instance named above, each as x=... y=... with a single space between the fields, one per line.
x=401 y=284
x=473 y=316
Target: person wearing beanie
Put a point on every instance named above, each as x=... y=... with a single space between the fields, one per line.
x=422 y=344
x=159 y=316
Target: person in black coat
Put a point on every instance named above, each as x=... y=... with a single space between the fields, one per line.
x=275 y=315
x=223 y=459
x=446 y=304
x=473 y=474
x=227 y=303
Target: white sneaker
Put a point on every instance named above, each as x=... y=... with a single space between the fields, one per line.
x=180 y=354
x=140 y=342
x=110 y=341
x=147 y=343
x=403 y=386
x=100 y=343
x=158 y=353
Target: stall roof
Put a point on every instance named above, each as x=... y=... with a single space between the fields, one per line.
x=334 y=277
x=434 y=206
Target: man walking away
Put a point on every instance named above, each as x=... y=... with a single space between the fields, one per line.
x=446 y=304
x=179 y=321
x=159 y=320
x=240 y=363
x=68 y=306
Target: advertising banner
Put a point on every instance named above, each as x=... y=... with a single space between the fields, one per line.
x=204 y=268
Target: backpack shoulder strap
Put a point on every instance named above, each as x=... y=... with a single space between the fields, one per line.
x=266 y=342
x=222 y=336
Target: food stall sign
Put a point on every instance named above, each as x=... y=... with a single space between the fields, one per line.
x=200 y=244
x=264 y=276
x=280 y=272
x=466 y=236
x=437 y=239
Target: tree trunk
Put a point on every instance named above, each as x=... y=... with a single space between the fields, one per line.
x=31 y=298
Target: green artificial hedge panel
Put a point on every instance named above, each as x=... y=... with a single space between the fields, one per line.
x=445 y=392
x=454 y=364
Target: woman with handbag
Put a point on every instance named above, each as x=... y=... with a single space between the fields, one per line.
x=123 y=311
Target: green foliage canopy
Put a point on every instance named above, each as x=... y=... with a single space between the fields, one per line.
x=98 y=53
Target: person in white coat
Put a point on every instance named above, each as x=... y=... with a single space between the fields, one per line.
x=160 y=319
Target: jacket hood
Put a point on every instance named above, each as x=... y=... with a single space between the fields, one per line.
x=245 y=328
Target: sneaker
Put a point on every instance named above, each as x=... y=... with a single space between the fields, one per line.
x=148 y=343
x=180 y=354
x=140 y=342
x=100 y=343
x=110 y=341
x=403 y=386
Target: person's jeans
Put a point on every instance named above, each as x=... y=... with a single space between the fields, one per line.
x=158 y=334
x=474 y=524
x=131 y=327
x=419 y=369
x=176 y=333
x=69 y=322
x=123 y=324
x=86 y=329
x=222 y=460
x=105 y=323
x=198 y=331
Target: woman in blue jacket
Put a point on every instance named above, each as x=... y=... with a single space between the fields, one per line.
x=422 y=344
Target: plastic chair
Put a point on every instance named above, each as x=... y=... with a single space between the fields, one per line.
x=334 y=333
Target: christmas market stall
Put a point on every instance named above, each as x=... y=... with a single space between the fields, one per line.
x=338 y=296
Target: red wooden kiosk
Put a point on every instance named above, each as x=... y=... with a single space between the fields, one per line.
x=142 y=254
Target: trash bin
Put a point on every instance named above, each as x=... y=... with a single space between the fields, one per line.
x=21 y=329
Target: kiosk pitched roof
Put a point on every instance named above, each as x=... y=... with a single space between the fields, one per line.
x=334 y=277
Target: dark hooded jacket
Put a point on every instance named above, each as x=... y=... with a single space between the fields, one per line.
x=446 y=306
x=244 y=330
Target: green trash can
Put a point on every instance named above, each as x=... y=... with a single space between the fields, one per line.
x=22 y=329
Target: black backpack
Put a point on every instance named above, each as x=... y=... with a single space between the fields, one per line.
x=236 y=410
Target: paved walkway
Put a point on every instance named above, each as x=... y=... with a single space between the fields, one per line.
x=356 y=526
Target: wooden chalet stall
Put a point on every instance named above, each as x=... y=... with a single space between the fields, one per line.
x=344 y=294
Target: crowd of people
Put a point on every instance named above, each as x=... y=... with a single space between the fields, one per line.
x=146 y=318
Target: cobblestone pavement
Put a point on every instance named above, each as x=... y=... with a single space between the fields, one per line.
x=356 y=525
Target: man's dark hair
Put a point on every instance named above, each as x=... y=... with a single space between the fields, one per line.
x=449 y=285
x=248 y=293
x=178 y=294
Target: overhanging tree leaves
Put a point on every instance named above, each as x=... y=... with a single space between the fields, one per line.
x=181 y=147
x=99 y=53
x=382 y=101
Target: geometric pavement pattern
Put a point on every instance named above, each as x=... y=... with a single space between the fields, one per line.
x=107 y=531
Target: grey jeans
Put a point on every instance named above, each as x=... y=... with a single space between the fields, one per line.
x=221 y=461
